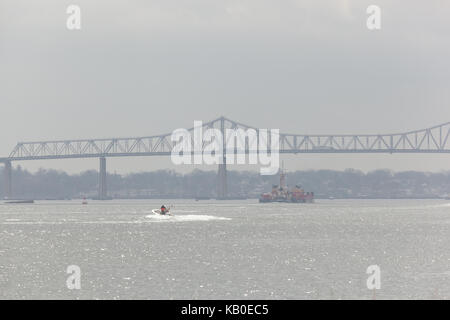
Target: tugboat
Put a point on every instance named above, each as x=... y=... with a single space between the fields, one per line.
x=281 y=193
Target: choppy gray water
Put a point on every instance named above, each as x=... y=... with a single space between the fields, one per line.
x=226 y=250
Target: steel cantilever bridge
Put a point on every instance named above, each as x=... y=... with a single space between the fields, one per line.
x=430 y=140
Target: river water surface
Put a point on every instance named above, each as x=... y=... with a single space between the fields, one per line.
x=226 y=249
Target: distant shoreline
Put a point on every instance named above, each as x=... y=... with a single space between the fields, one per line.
x=229 y=199
x=202 y=185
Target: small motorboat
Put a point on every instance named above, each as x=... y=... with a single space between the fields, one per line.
x=158 y=212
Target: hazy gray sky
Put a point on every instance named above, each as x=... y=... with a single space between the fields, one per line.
x=148 y=67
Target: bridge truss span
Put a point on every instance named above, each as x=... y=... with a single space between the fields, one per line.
x=431 y=140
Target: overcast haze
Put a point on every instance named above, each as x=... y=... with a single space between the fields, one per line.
x=148 y=67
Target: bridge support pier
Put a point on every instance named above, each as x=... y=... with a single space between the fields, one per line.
x=222 y=191
x=7 y=180
x=102 y=191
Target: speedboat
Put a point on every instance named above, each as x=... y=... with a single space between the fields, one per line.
x=158 y=212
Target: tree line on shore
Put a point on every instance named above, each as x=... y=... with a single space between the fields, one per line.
x=350 y=183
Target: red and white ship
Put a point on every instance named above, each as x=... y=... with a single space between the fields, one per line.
x=281 y=193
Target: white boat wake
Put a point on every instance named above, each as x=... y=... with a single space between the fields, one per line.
x=183 y=218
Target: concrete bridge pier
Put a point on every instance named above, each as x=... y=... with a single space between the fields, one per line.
x=7 y=180
x=222 y=191
x=102 y=191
